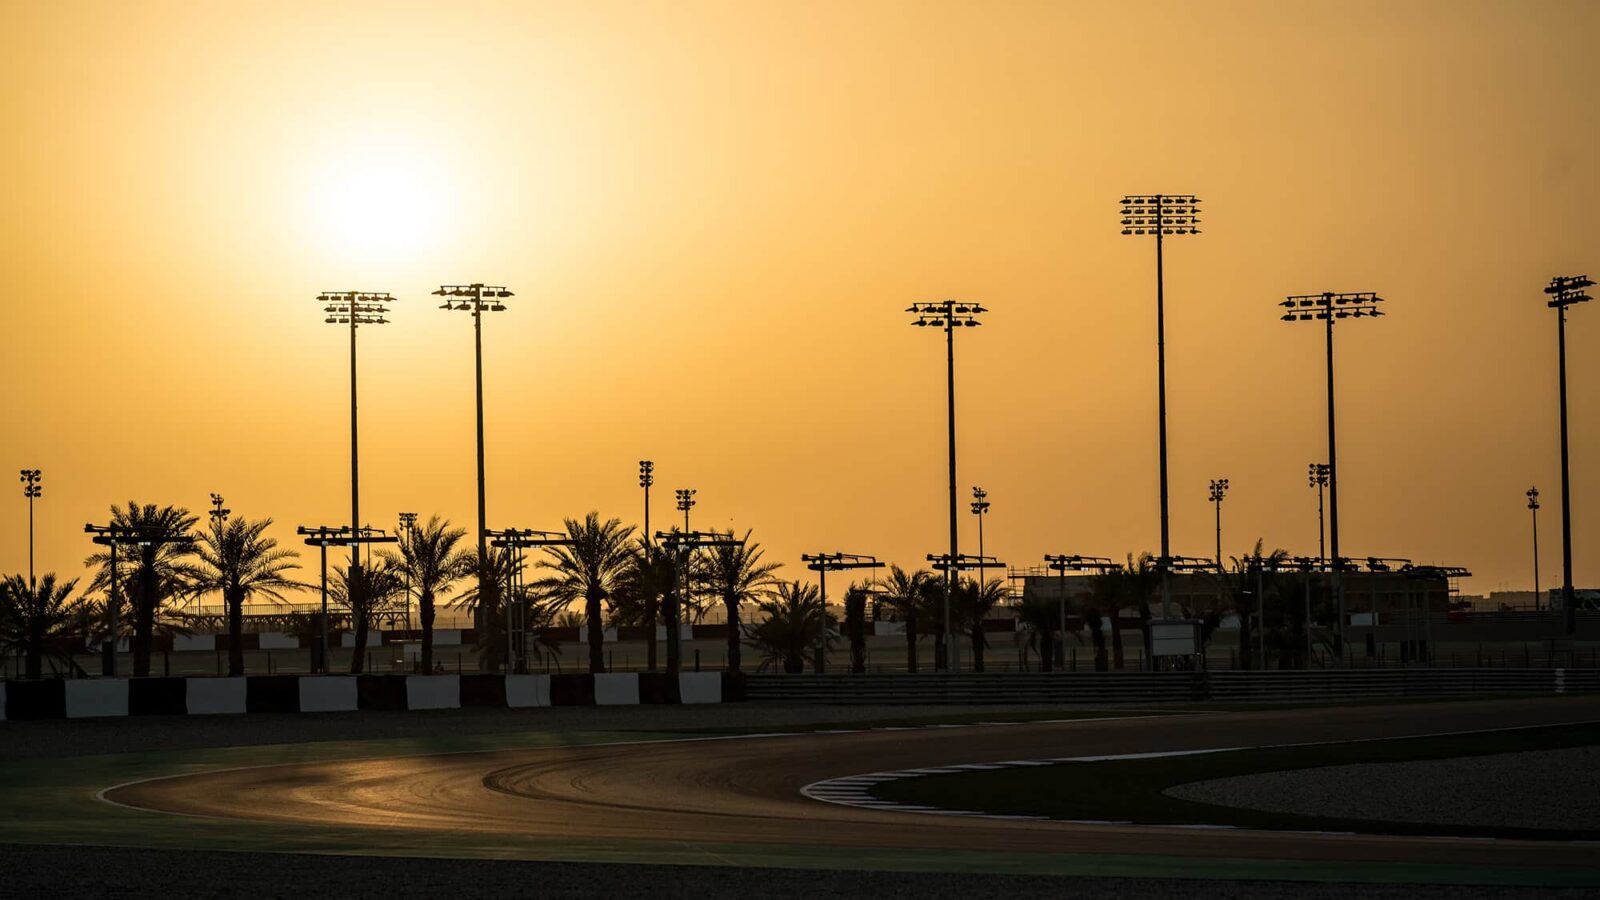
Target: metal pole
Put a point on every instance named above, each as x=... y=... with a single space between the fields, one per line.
x=1322 y=531
x=110 y=667
x=324 y=622
x=1308 y=620
x=951 y=661
x=647 y=537
x=355 y=465
x=1568 y=600
x=31 y=584
x=1161 y=401
x=1537 y=596
x=477 y=349
x=1333 y=485
x=1062 y=578
x=1219 y=534
x=822 y=617
x=1261 y=618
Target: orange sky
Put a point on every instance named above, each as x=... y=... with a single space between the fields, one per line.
x=713 y=215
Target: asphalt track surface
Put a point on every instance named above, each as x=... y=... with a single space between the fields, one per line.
x=746 y=790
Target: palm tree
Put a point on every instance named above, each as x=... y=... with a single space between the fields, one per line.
x=237 y=561
x=973 y=603
x=736 y=574
x=855 y=626
x=1237 y=584
x=33 y=616
x=367 y=592
x=588 y=569
x=158 y=571
x=790 y=627
x=905 y=593
x=429 y=560
x=1040 y=619
x=645 y=581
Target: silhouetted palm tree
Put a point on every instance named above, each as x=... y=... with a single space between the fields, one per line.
x=1039 y=617
x=736 y=574
x=237 y=561
x=645 y=581
x=151 y=572
x=368 y=593
x=973 y=603
x=905 y=593
x=1237 y=585
x=588 y=570
x=428 y=558
x=790 y=626
x=33 y=617
x=855 y=625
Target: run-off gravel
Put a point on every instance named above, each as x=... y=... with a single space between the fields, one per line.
x=1548 y=789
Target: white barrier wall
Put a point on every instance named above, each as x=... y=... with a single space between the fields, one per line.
x=215 y=696
x=700 y=687
x=185 y=642
x=433 y=691
x=888 y=627
x=685 y=632
x=447 y=637
x=89 y=698
x=616 y=689
x=327 y=693
x=270 y=640
x=527 y=690
x=608 y=636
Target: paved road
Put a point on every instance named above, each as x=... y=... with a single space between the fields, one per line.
x=746 y=791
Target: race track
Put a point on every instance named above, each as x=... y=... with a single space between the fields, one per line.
x=746 y=790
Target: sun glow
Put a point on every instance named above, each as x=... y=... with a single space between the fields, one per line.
x=381 y=204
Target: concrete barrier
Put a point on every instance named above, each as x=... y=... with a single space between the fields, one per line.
x=607 y=636
x=327 y=693
x=433 y=691
x=98 y=697
x=447 y=637
x=700 y=687
x=616 y=689
x=527 y=690
x=216 y=696
x=270 y=640
x=191 y=642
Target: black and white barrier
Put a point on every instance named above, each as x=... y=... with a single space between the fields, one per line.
x=93 y=698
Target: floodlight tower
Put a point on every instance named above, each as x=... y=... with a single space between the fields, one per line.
x=1317 y=477
x=1219 y=489
x=647 y=477
x=32 y=488
x=1565 y=291
x=949 y=315
x=980 y=508
x=355 y=308
x=477 y=299
x=1533 y=506
x=1327 y=307
x=686 y=502
x=407 y=533
x=1161 y=215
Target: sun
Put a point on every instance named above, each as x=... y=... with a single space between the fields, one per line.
x=381 y=204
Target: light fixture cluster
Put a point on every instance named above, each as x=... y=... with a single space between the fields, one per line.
x=355 y=307
x=474 y=298
x=32 y=486
x=947 y=314
x=1324 y=306
x=1219 y=489
x=1160 y=214
x=1565 y=290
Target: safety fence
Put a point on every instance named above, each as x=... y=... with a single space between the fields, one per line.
x=1157 y=687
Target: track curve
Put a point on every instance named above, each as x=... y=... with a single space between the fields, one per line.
x=747 y=790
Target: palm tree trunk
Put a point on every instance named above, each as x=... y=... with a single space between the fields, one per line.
x=652 y=608
x=34 y=656
x=359 y=654
x=144 y=619
x=597 y=635
x=858 y=647
x=235 y=601
x=674 y=645
x=731 y=602
x=977 y=646
x=911 y=642
x=1116 y=639
x=1246 y=641
x=1098 y=634
x=1047 y=651
x=425 y=611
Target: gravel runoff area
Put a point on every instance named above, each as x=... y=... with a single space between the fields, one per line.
x=1553 y=789
x=90 y=737
x=29 y=871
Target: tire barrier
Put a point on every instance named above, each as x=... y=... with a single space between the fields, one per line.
x=98 y=698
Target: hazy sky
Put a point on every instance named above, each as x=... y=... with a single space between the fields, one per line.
x=713 y=215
